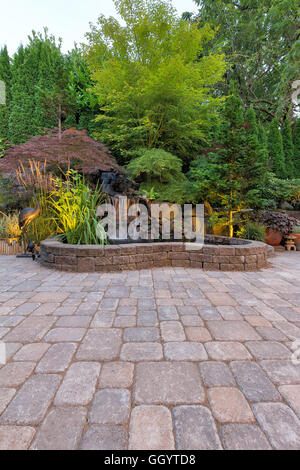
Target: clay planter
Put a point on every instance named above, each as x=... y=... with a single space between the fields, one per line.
x=273 y=237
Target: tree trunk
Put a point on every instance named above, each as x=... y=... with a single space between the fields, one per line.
x=59 y=121
x=231 y=224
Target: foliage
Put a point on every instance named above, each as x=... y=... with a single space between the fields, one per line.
x=278 y=221
x=2 y=227
x=296 y=142
x=276 y=190
x=288 y=148
x=74 y=205
x=84 y=101
x=230 y=176
x=39 y=78
x=160 y=173
x=57 y=101
x=261 y=41
x=33 y=69
x=5 y=76
x=35 y=176
x=252 y=231
x=3 y=146
x=296 y=229
x=151 y=194
x=276 y=150
x=263 y=140
x=44 y=226
x=152 y=79
x=8 y=197
x=9 y=226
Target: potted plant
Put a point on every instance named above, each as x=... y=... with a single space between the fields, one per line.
x=278 y=224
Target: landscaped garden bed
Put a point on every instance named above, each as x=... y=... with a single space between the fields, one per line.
x=218 y=253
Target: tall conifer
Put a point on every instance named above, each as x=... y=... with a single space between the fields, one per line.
x=296 y=142
x=275 y=148
x=288 y=148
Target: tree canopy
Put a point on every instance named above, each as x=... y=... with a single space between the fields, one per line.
x=261 y=40
x=153 y=81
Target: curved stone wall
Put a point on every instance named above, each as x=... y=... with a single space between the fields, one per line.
x=218 y=253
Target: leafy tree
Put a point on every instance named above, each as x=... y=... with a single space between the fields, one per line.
x=276 y=149
x=288 y=148
x=160 y=174
x=296 y=141
x=231 y=174
x=152 y=80
x=261 y=41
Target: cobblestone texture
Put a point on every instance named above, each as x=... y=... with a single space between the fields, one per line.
x=172 y=357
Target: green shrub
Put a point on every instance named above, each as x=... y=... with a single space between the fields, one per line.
x=252 y=231
x=276 y=190
x=296 y=229
x=160 y=173
x=2 y=227
x=9 y=226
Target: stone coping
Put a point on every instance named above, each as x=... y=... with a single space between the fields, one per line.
x=246 y=256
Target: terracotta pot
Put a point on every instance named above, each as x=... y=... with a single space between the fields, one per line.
x=273 y=237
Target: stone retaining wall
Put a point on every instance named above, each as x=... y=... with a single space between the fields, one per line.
x=247 y=256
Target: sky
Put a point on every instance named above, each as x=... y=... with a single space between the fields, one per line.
x=68 y=19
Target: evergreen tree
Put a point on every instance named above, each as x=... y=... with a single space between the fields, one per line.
x=262 y=136
x=255 y=141
x=296 y=141
x=45 y=89
x=288 y=148
x=51 y=69
x=236 y=169
x=21 y=120
x=5 y=76
x=276 y=150
x=37 y=69
x=80 y=85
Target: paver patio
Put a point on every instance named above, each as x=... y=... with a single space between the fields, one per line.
x=168 y=358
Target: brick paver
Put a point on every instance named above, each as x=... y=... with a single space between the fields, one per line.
x=243 y=437
x=168 y=358
x=195 y=429
x=151 y=428
x=110 y=406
